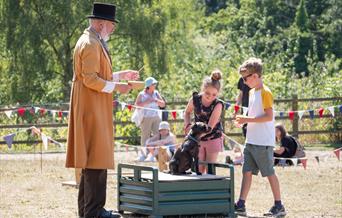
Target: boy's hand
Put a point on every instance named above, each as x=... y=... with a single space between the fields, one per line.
x=240 y=120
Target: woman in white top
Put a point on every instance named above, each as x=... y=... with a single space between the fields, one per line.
x=149 y=98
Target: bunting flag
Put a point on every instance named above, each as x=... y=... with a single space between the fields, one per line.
x=227 y=105
x=340 y=108
x=320 y=112
x=236 y=108
x=181 y=114
x=115 y=104
x=32 y=111
x=332 y=110
x=337 y=153
x=282 y=162
x=291 y=115
x=129 y=106
x=53 y=112
x=281 y=114
x=123 y=105
x=300 y=114
x=312 y=114
x=174 y=114
x=294 y=161
x=9 y=139
x=60 y=114
x=165 y=115
x=36 y=110
x=317 y=158
x=42 y=111
x=126 y=148
x=45 y=140
x=8 y=114
x=35 y=130
x=65 y=114
x=160 y=114
x=21 y=111
x=245 y=111
x=304 y=162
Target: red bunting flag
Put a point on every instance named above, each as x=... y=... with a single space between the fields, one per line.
x=291 y=115
x=60 y=114
x=236 y=108
x=21 y=111
x=174 y=114
x=129 y=106
x=42 y=111
x=320 y=111
x=337 y=153
x=304 y=162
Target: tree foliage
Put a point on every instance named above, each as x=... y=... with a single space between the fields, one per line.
x=178 y=42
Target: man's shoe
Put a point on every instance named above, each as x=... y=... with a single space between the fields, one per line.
x=109 y=214
x=241 y=211
x=276 y=211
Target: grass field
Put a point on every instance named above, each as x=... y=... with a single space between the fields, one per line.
x=25 y=191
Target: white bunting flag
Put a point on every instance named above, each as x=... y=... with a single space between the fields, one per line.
x=181 y=114
x=160 y=114
x=300 y=114
x=123 y=105
x=245 y=111
x=36 y=109
x=294 y=161
x=332 y=110
x=8 y=114
x=53 y=114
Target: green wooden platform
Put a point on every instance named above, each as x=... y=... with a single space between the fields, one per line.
x=149 y=192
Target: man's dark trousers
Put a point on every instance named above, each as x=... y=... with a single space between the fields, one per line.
x=92 y=192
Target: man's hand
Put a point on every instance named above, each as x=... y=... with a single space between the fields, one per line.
x=129 y=75
x=123 y=88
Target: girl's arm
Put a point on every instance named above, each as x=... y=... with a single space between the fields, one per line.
x=187 y=115
x=215 y=116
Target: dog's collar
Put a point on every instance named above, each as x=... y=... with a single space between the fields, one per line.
x=193 y=139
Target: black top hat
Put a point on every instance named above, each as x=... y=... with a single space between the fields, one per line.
x=104 y=11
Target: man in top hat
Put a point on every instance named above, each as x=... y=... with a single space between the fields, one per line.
x=90 y=130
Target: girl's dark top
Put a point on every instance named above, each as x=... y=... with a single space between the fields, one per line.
x=203 y=114
x=290 y=146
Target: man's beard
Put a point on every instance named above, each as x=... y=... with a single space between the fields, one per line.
x=104 y=34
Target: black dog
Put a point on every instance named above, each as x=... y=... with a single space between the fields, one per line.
x=186 y=156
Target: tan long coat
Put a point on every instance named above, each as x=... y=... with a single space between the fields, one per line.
x=90 y=131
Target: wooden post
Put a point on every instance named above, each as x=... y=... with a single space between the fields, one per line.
x=295 y=120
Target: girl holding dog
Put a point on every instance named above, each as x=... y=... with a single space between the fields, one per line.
x=207 y=108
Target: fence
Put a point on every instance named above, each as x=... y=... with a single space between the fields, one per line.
x=293 y=105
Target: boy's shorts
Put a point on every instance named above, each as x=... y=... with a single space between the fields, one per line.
x=258 y=157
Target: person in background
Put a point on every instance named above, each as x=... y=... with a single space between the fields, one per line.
x=242 y=100
x=288 y=145
x=207 y=108
x=90 y=144
x=149 y=98
x=164 y=138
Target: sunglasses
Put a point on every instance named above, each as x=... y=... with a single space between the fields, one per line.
x=245 y=77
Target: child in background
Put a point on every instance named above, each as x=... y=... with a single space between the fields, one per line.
x=164 y=138
x=260 y=138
